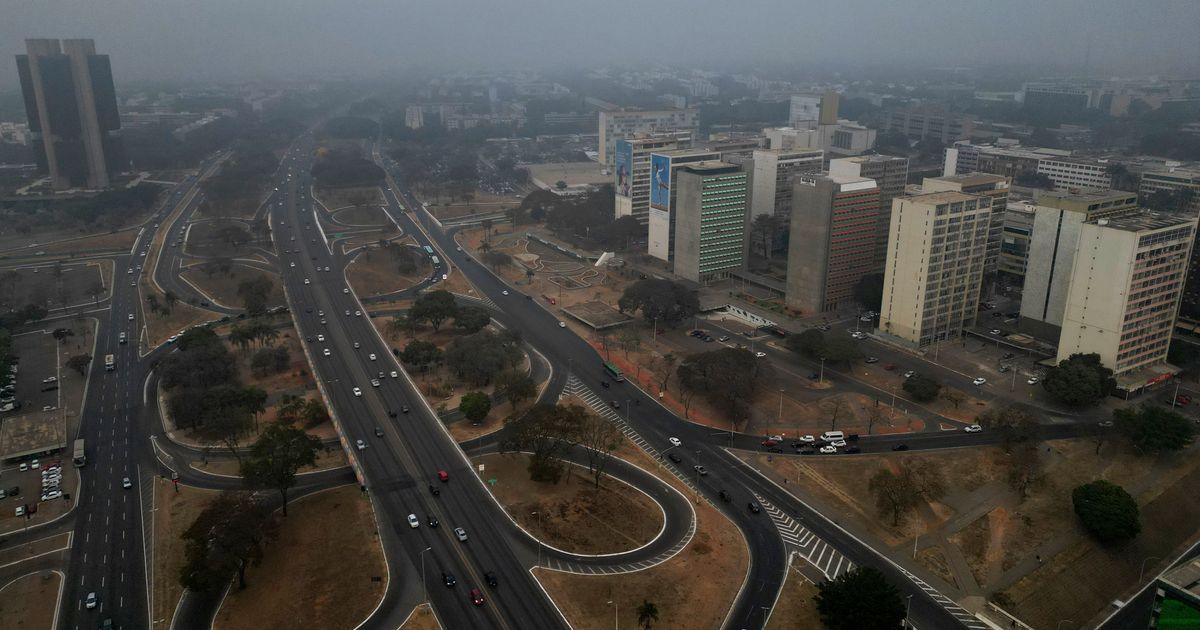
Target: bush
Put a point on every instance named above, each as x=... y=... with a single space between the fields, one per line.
x=922 y=388
x=1106 y=511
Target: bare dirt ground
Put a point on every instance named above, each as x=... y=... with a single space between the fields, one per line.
x=333 y=457
x=795 y=607
x=223 y=287
x=337 y=198
x=160 y=326
x=573 y=515
x=29 y=602
x=174 y=513
x=1030 y=552
x=319 y=573
x=422 y=618
x=371 y=216
x=76 y=284
x=374 y=273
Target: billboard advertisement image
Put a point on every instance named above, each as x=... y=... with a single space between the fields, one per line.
x=660 y=181
x=624 y=164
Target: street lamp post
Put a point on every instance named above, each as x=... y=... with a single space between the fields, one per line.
x=424 y=586
x=539 y=538
x=1061 y=622
x=616 y=614
x=907 y=610
x=779 y=420
x=821 y=376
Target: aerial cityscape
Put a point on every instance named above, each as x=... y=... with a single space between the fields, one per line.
x=531 y=316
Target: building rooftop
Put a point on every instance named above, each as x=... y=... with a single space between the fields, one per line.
x=871 y=158
x=1090 y=195
x=852 y=182
x=948 y=196
x=709 y=166
x=1185 y=577
x=968 y=180
x=1144 y=221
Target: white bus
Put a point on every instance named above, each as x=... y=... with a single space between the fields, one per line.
x=110 y=362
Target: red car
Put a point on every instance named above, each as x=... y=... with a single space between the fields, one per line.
x=476 y=597
x=769 y=442
x=443 y=476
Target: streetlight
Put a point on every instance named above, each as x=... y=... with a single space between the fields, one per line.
x=616 y=614
x=1060 y=623
x=821 y=377
x=424 y=586
x=539 y=539
x=907 y=610
x=1143 y=569
x=779 y=420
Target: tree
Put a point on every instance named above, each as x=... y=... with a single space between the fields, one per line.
x=954 y=397
x=842 y=350
x=421 y=354
x=1079 y=381
x=80 y=363
x=481 y=357
x=270 y=361
x=1015 y=424
x=869 y=291
x=472 y=319
x=496 y=259
x=899 y=492
x=547 y=432
x=515 y=387
x=647 y=614
x=402 y=323
x=728 y=378
x=661 y=301
x=434 y=307
x=195 y=337
x=810 y=343
x=763 y=227
x=1154 y=429
x=475 y=406
x=859 y=599
x=664 y=365
x=254 y=293
x=275 y=457
x=1106 y=511
x=922 y=388
x=170 y=299
x=599 y=438
x=226 y=414
x=226 y=538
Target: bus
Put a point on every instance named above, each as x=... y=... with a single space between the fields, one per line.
x=615 y=371
x=428 y=250
x=436 y=262
x=110 y=362
x=80 y=457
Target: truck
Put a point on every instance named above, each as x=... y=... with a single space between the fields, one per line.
x=110 y=362
x=80 y=457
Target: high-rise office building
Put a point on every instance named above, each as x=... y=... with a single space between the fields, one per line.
x=1175 y=180
x=994 y=186
x=663 y=166
x=1125 y=287
x=936 y=249
x=890 y=175
x=832 y=244
x=632 y=172
x=771 y=174
x=931 y=122
x=71 y=104
x=1015 y=237
x=615 y=125
x=712 y=207
x=1057 y=220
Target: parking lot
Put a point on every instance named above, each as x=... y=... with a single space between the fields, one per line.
x=36 y=495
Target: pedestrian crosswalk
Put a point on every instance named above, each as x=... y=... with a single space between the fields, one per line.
x=958 y=612
x=815 y=551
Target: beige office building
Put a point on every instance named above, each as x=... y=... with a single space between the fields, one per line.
x=616 y=125
x=1126 y=284
x=985 y=184
x=936 y=249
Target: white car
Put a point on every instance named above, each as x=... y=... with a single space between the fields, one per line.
x=360 y=445
x=131 y=317
x=357 y=345
x=979 y=381
x=561 y=325
x=504 y=292
x=973 y=428
x=394 y=374
x=293 y=264
x=325 y=352
x=327 y=269
x=838 y=443
x=413 y=522
x=90 y=602
x=320 y=337
x=675 y=441
x=126 y=483
x=1033 y=380
x=371 y=356
x=374 y=382
x=807 y=439
x=357 y=392
x=996 y=331
x=760 y=354
x=129 y=271
x=306 y=281
x=345 y=290
x=828 y=450
x=358 y=313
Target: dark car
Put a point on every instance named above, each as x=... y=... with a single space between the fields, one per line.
x=675 y=458
x=378 y=432
x=615 y=404
x=852 y=449
x=775 y=449
x=753 y=507
x=491 y=580
x=476 y=597
x=900 y=447
x=391 y=413
x=769 y=442
x=432 y=522
x=814 y=376
x=434 y=490
x=448 y=579
x=724 y=496
x=403 y=408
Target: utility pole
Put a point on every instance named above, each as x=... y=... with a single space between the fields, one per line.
x=779 y=419
x=821 y=377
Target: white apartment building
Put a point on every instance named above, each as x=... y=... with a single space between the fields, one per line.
x=1075 y=174
x=615 y=125
x=772 y=172
x=1126 y=284
x=936 y=250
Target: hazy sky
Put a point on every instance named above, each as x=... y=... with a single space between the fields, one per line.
x=218 y=39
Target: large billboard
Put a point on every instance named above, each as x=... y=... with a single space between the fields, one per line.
x=624 y=164
x=660 y=181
